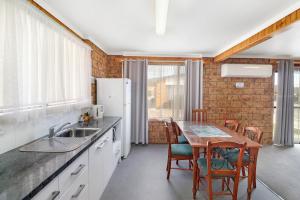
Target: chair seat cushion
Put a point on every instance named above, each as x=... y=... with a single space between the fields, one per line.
x=232 y=155
x=182 y=139
x=181 y=149
x=216 y=164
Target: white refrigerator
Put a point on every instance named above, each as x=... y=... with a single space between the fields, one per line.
x=115 y=95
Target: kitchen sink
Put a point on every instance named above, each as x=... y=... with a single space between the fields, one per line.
x=64 y=141
x=78 y=132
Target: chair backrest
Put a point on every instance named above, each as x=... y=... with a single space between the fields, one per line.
x=232 y=124
x=253 y=133
x=175 y=129
x=167 y=130
x=199 y=115
x=230 y=170
x=223 y=168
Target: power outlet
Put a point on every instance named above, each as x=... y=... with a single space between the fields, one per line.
x=239 y=85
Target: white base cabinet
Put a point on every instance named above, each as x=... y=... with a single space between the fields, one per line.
x=87 y=177
x=100 y=165
x=50 y=192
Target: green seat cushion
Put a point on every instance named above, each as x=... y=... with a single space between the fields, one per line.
x=216 y=164
x=232 y=155
x=181 y=149
x=182 y=139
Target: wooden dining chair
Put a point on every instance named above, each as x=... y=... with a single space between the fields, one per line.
x=179 y=137
x=199 y=115
x=219 y=168
x=232 y=124
x=177 y=152
x=254 y=134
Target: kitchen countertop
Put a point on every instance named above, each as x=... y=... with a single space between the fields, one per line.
x=24 y=174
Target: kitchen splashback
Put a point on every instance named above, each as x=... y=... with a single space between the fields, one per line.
x=13 y=135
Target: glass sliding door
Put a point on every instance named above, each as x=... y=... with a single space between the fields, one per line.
x=296 y=103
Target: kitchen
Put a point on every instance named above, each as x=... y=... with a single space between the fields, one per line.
x=109 y=102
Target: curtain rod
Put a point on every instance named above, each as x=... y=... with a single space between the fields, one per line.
x=179 y=61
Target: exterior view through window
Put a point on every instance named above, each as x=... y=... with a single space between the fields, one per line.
x=296 y=103
x=166 y=91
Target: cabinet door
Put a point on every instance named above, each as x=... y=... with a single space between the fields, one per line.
x=50 y=192
x=98 y=161
x=96 y=172
x=108 y=157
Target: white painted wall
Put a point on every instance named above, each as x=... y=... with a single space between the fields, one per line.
x=13 y=135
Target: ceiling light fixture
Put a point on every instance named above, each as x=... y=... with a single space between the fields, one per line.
x=161 y=14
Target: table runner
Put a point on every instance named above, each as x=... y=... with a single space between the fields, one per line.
x=208 y=131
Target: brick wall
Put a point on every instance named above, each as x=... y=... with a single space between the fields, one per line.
x=251 y=105
x=156 y=132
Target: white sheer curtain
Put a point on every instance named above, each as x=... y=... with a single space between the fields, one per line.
x=166 y=91
x=42 y=65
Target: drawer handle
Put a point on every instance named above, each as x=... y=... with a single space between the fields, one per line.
x=79 y=168
x=54 y=195
x=79 y=190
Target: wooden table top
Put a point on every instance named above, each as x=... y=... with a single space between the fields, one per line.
x=196 y=141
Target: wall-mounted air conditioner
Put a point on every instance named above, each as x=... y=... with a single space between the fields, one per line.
x=246 y=70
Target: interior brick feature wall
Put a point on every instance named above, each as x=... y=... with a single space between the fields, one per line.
x=156 y=132
x=115 y=66
x=251 y=105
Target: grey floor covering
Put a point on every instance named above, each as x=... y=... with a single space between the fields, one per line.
x=142 y=176
x=279 y=168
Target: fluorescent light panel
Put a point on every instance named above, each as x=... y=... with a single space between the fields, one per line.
x=161 y=14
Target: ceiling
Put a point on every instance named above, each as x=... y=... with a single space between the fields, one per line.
x=283 y=45
x=194 y=27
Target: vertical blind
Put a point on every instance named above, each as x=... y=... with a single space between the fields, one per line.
x=41 y=63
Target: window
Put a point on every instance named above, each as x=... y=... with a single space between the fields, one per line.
x=165 y=91
x=41 y=64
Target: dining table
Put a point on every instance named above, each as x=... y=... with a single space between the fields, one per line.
x=199 y=133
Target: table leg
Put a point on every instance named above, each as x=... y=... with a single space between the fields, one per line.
x=251 y=170
x=195 y=170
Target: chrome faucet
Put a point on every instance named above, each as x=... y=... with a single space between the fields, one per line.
x=53 y=132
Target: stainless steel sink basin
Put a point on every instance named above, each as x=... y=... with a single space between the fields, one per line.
x=66 y=140
x=78 y=132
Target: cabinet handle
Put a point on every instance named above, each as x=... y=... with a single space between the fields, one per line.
x=54 y=195
x=100 y=146
x=79 y=168
x=79 y=190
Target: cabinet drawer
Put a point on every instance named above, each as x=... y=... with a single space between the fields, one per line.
x=50 y=192
x=79 y=189
x=73 y=172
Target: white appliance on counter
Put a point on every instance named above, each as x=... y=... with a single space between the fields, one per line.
x=98 y=111
x=115 y=95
